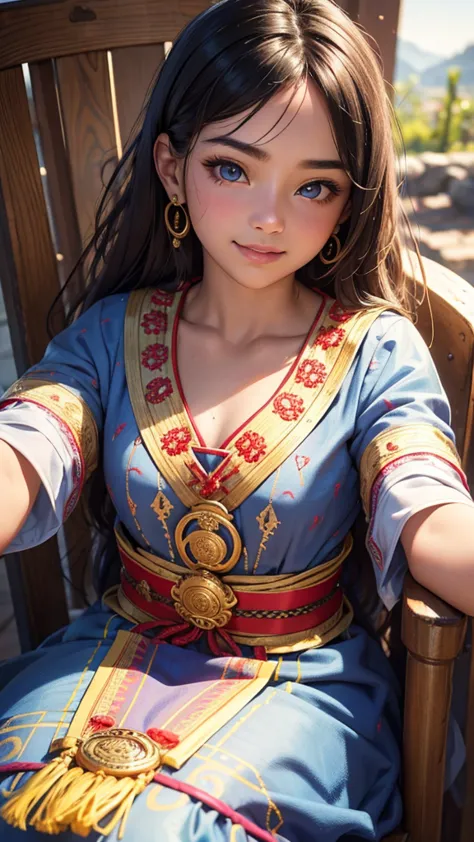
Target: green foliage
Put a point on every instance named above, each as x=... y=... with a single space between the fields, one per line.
x=432 y=123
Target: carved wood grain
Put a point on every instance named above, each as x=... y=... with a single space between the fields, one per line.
x=433 y=633
x=134 y=70
x=37 y=31
x=58 y=174
x=86 y=107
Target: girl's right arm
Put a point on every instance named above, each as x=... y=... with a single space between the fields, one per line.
x=19 y=487
x=50 y=423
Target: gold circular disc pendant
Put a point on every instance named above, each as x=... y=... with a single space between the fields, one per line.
x=209 y=550
x=202 y=599
x=120 y=752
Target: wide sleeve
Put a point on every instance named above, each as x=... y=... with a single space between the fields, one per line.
x=54 y=415
x=404 y=447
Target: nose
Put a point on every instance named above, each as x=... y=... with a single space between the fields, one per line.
x=266 y=216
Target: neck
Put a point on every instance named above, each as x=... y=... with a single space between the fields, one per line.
x=241 y=314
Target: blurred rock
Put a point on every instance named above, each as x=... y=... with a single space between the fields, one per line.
x=412 y=166
x=462 y=195
x=434 y=180
x=457 y=172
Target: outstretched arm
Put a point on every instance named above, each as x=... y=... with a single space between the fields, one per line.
x=19 y=486
x=439 y=546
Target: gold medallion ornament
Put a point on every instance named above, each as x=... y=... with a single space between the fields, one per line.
x=94 y=780
x=119 y=752
x=203 y=600
x=209 y=550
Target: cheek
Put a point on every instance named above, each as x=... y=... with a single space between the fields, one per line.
x=208 y=201
x=315 y=224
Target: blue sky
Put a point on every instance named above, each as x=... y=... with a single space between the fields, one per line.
x=440 y=26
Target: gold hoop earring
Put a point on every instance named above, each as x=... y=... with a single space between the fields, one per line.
x=333 y=247
x=176 y=234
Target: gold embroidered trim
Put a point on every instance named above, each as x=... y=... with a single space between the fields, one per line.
x=257 y=449
x=68 y=407
x=397 y=443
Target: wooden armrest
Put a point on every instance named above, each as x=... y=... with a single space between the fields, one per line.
x=431 y=629
x=433 y=633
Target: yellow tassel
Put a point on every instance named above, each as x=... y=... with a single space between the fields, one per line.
x=18 y=808
x=61 y=797
x=74 y=784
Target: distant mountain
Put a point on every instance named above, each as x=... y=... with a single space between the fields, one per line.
x=435 y=76
x=404 y=70
x=418 y=59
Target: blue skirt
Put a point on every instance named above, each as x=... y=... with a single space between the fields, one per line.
x=314 y=756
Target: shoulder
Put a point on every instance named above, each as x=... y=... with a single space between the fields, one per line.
x=366 y=328
x=103 y=322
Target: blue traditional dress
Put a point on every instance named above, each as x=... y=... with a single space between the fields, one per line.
x=262 y=523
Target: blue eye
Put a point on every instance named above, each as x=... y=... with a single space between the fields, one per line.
x=230 y=172
x=311 y=191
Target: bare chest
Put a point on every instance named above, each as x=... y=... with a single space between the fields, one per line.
x=224 y=389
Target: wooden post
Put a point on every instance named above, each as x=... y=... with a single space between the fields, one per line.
x=433 y=633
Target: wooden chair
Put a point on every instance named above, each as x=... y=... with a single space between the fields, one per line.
x=89 y=68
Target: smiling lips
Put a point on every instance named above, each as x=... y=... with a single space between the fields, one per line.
x=259 y=254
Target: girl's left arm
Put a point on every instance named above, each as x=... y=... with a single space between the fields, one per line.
x=439 y=546
x=417 y=502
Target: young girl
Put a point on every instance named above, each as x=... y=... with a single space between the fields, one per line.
x=242 y=416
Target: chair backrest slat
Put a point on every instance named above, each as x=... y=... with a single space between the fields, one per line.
x=87 y=113
x=33 y=31
x=28 y=266
x=63 y=215
x=134 y=69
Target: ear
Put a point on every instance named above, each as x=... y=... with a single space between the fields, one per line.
x=169 y=167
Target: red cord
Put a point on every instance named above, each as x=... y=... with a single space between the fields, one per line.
x=179 y=786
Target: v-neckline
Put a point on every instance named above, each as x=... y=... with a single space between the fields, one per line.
x=259 y=446
x=223 y=448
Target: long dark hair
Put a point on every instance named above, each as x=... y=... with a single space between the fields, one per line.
x=230 y=59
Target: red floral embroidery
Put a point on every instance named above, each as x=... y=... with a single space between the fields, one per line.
x=251 y=446
x=154 y=322
x=154 y=356
x=311 y=373
x=162 y=299
x=55 y=398
x=392 y=447
x=158 y=390
x=329 y=337
x=339 y=314
x=176 y=441
x=289 y=407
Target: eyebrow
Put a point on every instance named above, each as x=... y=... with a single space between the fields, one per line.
x=261 y=155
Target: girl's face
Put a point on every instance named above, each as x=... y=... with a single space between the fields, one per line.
x=276 y=183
